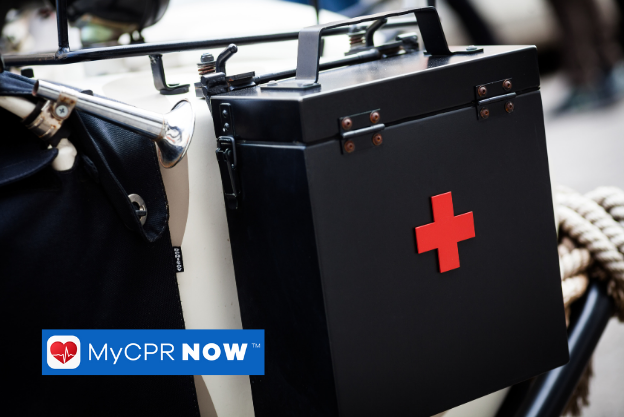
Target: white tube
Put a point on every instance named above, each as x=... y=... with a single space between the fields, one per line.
x=66 y=156
x=17 y=105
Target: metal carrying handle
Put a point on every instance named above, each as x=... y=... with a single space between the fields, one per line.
x=308 y=53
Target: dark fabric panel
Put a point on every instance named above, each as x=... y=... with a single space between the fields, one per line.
x=21 y=158
x=15 y=85
x=68 y=261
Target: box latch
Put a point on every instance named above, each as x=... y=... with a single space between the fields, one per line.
x=226 y=156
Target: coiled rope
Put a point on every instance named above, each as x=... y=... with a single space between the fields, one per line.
x=591 y=227
x=591 y=231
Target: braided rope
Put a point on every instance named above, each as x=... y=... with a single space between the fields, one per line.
x=590 y=236
x=591 y=232
x=574 y=262
x=611 y=199
x=573 y=288
x=597 y=215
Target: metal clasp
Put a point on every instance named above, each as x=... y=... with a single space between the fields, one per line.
x=226 y=156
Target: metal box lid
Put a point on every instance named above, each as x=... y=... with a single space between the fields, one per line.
x=401 y=88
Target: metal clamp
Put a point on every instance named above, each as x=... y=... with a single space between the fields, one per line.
x=52 y=115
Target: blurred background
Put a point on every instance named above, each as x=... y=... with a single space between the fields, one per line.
x=580 y=45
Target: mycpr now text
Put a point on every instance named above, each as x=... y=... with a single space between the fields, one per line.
x=165 y=351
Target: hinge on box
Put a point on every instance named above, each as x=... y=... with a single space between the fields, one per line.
x=361 y=131
x=226 y=156
x=495 y=98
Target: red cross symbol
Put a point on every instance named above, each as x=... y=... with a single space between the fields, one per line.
x=445 y=231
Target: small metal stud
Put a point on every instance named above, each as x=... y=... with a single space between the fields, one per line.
x=347 y=123
x=485 y=113
x=482 y=90
x=509 y=107
x=374 y=117
x=349 y=146
x=377 y=139
x=507 y=85
x=139 y=206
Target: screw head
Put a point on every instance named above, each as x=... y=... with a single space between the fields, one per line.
x=507 y=85
x=224 y=113
x=377 y=139
x=347 y=124
x=226 y=127
x=205 y=58
x=349 y=146
x=374 y=117
x=484 y=113
x=482 y=90
x=509 y=107
x=61 y=111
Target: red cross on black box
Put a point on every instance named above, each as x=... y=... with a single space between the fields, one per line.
x=445 y=231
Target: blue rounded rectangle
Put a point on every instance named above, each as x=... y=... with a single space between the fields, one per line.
x=152 y=352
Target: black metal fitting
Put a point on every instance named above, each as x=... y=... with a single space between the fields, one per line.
x=224 y=56
x=216 y=81
x=158 y=72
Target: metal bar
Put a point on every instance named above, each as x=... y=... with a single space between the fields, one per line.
x=551 y=391
x=62 y=27
x=126 y=51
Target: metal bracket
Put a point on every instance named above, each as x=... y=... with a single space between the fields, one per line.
x=228 y=164
x=493 y=89
x=489 y=94
x=496 y=106
x=360 y=131
x=48 y=122
x=158 y=72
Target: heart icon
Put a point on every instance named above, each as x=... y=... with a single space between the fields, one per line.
x=63 y=352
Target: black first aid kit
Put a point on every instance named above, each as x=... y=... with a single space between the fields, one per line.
x=392 y=227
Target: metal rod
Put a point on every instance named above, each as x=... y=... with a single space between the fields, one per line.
x=62 y=27
x=126 y=51
x=172 y=132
